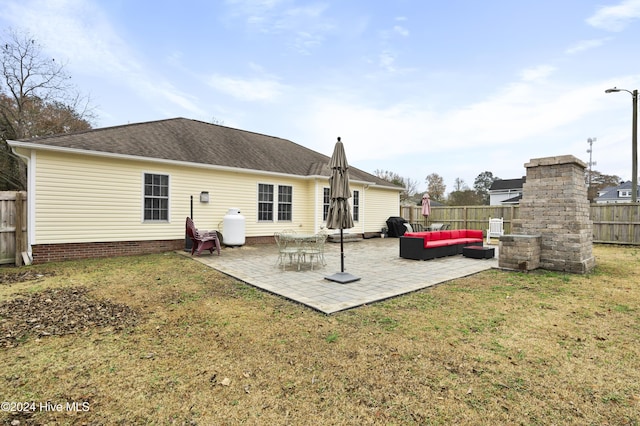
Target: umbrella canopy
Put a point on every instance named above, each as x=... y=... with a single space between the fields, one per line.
x=426 y=205
x=339 y=215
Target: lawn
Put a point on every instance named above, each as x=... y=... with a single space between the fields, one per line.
x=162 y=339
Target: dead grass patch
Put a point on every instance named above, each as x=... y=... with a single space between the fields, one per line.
x=494 y=348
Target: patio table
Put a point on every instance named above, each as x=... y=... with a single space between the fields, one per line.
x=299 y=241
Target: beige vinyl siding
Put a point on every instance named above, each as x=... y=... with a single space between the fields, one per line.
x=379 y=204
x=376 y=206
x=88 y=198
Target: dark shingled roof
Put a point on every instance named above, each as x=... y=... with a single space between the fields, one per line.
x=192 y=141
x=507 y=184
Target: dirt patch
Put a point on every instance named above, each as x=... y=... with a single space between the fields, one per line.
x=59 y=312
x=8 y=278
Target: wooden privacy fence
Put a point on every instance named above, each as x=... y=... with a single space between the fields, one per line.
x=463 y=217
x=612 y=223
x=13 y=227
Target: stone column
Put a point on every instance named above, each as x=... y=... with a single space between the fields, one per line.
x=554 y=205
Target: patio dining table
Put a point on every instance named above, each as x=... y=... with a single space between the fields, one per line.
x=305 y=244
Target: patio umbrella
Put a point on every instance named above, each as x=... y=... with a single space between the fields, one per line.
x=339 y=215
x=426 y=205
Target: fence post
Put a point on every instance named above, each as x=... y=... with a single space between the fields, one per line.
x=19 y=236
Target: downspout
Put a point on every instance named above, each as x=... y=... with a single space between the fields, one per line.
x=363 y=209
x=30 y=201
x=316 y=226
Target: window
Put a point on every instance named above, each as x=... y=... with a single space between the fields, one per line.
x=265 y=202
x=267 y=207
x=285 y=202
x=356 y=205
x=156 y=197
x=325 y=203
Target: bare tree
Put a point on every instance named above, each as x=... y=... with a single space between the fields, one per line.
x=459 y=185
x=600 y=181
x=36 y=99
x=435 y=186
x=410 y=186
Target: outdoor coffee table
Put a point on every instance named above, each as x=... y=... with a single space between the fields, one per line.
x=479 y=252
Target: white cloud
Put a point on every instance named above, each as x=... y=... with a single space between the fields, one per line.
x=79 y=31
x=616 y=18
x=306 y=25
x=521 y=111
x=537 y=73
x=247 y=89
x=401 y=30
x=584 y=45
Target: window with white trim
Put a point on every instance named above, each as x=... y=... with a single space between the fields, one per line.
x=356 y=205
x=156 y=197
x=326 y=200
x=265 y=202
x=285 y=203
x=271 y=208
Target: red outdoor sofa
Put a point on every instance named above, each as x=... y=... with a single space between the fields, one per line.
x=432 y=244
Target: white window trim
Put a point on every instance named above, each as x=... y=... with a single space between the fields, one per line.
x=142 y=219
x=275 y=202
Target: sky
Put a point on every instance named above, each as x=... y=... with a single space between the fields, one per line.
x=415 y=87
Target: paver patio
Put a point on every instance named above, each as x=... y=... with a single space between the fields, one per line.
x=376 y=261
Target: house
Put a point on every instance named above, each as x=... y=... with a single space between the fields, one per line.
x=615 y=194
x=128 y=189
x=506 y=191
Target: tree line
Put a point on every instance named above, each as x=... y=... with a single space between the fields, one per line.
x=462 y=195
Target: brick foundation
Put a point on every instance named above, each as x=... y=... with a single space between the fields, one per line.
x=43 y=253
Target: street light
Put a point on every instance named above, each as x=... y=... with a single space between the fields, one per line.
x=634 y=141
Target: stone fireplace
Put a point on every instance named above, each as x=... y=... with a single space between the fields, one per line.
x=553 y=230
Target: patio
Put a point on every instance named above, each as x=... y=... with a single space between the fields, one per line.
x=376 y=261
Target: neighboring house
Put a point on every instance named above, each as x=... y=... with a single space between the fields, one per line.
x=128 y=189
x=506 y=191
x=615 y=194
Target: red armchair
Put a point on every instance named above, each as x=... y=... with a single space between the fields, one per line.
x=202 y=240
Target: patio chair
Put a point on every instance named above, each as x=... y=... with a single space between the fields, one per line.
x=495 y=228
x=314 y=248
x=202 y=240
x=287 y=247
x=436 y=226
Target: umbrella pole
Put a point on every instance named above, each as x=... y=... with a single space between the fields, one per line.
x=341 y=252
x=342 y=277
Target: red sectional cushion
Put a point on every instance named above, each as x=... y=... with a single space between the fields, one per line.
x=447 y=238
x=415 y=234
x=473 y=233
x=436 y=243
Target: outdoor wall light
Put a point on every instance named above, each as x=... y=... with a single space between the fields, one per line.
x=204 y=197
x=634 y=141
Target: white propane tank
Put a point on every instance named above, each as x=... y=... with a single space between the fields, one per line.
x=233 y=227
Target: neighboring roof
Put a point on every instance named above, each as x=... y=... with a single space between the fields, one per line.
x=502 y=184
x=192 y=141
x=512 y=200
x=612 y=192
